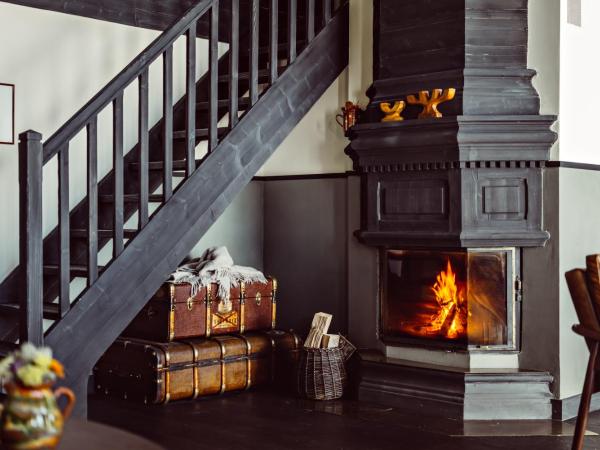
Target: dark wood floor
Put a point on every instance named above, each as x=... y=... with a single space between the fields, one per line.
x=265 y=420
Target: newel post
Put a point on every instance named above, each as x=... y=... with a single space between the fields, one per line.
x=30 y=237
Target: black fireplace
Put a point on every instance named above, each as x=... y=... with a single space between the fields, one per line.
x=453 y=299
x=451 y=202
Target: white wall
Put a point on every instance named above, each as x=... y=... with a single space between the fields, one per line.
x=544 y=55
x=317 y=144
x=579 y=94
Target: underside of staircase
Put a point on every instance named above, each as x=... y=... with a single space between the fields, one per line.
x=175 y=195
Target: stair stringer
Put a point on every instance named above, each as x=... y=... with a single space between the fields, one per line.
x=122 y=290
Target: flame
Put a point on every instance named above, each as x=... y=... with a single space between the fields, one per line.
x=451 y=302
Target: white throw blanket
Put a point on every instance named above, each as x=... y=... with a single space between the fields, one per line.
x=216 y=266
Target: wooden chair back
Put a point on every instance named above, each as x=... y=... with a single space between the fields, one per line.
x=584 y=286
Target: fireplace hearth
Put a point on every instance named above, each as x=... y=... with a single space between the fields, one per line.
x=450 y=299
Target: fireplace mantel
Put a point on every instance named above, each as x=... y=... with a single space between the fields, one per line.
x=475 y=176
x=459 y=181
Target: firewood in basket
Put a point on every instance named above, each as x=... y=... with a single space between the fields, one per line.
x=330 y=341
x=319 y=327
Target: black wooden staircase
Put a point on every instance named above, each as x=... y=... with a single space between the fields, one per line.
x=260 y=88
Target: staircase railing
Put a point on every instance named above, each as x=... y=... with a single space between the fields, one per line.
x=33 y=155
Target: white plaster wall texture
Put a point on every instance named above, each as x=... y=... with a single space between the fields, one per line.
x=317 y=144
x=544 y=55
x=578 y=80
x=579 y=225
x=58 y=62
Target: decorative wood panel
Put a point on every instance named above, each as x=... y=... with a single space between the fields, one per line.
x=504 y=199
x=413 y=200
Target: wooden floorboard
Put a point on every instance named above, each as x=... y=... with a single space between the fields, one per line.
x=267 y=420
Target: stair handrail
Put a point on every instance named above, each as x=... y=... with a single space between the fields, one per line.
x=127 y=76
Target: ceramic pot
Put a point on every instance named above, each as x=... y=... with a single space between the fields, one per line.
x=31 y=418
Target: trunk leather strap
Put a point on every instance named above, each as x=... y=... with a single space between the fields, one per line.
x=248 y=360
x=223 y=362
x=195 y=369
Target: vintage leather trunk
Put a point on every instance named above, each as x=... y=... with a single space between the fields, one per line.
x=154 y=372
x=174 y=314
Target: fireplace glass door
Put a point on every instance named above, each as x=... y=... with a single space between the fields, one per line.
x=454 y=298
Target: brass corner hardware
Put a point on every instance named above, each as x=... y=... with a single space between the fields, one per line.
x=431 y=102
x=392 y=113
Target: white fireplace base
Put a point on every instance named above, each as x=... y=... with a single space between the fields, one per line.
x=448 y=358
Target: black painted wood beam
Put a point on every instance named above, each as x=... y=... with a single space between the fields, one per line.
x=64 y=226
x=152 y=14
x=92 y=195
x=167 y=124
x=30 y=186
x=118 y=172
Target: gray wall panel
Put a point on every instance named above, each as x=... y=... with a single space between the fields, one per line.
x=305 y=248
x=363 y=278
x=540 y=309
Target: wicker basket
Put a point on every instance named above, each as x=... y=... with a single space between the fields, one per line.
x=322 y=373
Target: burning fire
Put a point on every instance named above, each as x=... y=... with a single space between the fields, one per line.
x=449 y=319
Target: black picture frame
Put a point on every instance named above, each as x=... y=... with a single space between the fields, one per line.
x=11 y=141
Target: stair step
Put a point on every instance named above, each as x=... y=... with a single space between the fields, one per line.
x=263 y=76
x=76 y=270
x=51 y=311
x=130 y=198
x=104 y=234
x=281 y=47
x=178 y=166
x=243 y=103
x=201 y=133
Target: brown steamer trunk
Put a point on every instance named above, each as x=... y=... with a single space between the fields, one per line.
x=158 y=373
x=174 y=314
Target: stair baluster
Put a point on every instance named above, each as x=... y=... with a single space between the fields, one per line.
x=118 y=182
x=274 y=42
x=310 y=20
x=167 y=130
x=292 y=30
x=254 y=44
x=326 y=11
x=143 y=149
x=234 y=62
x=30 y=186
x=190 y=130
x=64 y=231
x=213 y=57
x=92 y=195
